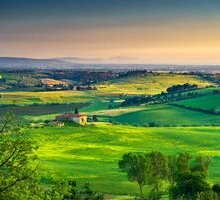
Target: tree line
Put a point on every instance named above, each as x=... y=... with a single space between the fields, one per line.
x=180 y=177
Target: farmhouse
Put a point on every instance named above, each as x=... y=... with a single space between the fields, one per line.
x=77 y=118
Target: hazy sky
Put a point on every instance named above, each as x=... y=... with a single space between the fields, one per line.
x=156 y=31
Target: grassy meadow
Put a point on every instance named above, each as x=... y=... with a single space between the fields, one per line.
x=167 y=115
x=209 y=102
x=91 y=153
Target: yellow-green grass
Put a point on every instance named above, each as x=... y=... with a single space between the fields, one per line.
x=149 y=84
x=102 y=108
x=27 y=98
x=209 y=102
x=116 y=111
x=62 y=97
x=167 y=115
x=91 y=153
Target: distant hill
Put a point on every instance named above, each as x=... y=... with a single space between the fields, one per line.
x=81 y=60
x=115 y=63
x=29 y=63
x=113 y=60
x=66 y=63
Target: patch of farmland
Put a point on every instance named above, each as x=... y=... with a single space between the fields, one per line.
x=167 y=115
x=209 y=102
x=40 y=111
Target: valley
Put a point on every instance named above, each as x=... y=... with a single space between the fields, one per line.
x=133 y=112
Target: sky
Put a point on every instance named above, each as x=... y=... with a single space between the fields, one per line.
x=151 y=31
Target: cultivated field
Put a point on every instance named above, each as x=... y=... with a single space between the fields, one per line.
x=31 y=113
x=29 y=98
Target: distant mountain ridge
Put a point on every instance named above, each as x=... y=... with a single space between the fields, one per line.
x=27 y=59
x=114 y=63
x=112 y=60
x=66 y=61
x=29 y=63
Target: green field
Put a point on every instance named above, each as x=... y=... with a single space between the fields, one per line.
x=149 y=84
x=91 y=153
x=209 y=102
x=98 y=105
x=167 y=115
x=204 y=91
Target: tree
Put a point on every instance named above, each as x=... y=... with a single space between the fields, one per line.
x=178 y=164
x=158 y=168
x=14 y=101
x=208 y=195
x=17 y=171
x=180 y=88
x=201 y=164
x=188 y=176
x=95 y=118
x=145 y=168
x=216 y=188
x=6 y=120
x=110 y=106
x=76 y=111
x=84 y=193
x=189 y=185
x=56 y=190
x=158 y=172
x=137 y=167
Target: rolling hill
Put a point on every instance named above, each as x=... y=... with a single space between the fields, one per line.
x=91 y=153
x=153 y=83
x=167 y=115
x=208 y=102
